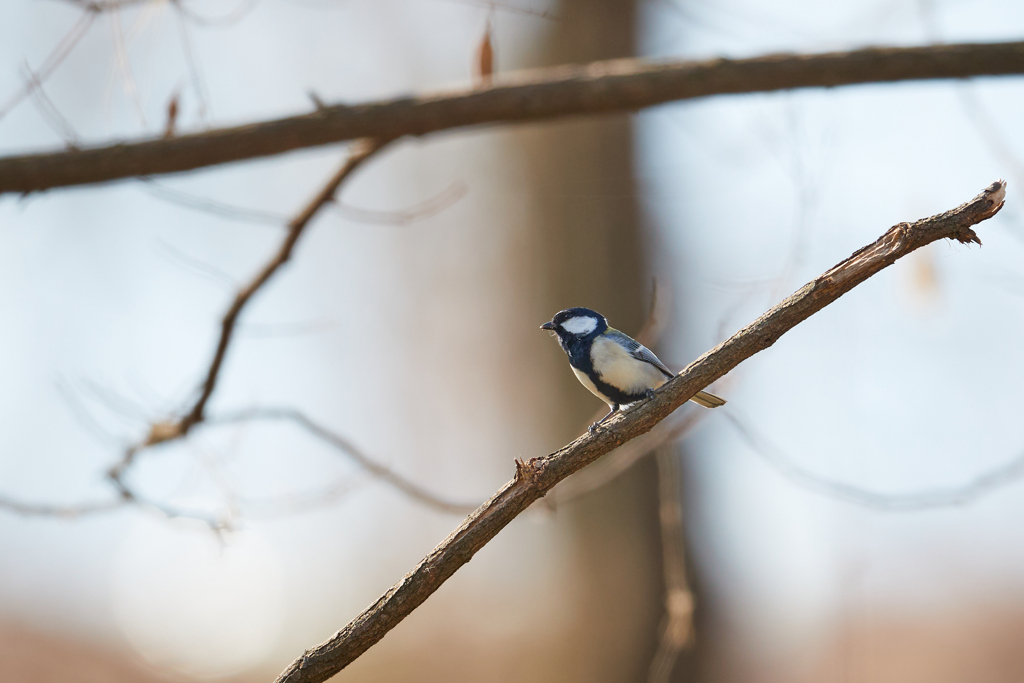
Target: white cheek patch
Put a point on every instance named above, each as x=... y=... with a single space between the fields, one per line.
x=581 y=324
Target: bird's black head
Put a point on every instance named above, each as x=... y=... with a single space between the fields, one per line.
x=576 y=324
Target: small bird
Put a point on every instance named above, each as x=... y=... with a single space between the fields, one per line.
x=612 y=365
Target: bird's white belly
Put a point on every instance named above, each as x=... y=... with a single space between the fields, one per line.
x=585 y=381
x=618 y=368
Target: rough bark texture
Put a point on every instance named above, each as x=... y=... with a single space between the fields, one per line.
x=535 y=477
x=617 y=85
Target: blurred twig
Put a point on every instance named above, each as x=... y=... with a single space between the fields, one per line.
x=401 y=217
x=63 y=511
x=535 y=477
x=1009 y=472
x=59 y=53
x=91 y=9
x=424 y=209
x=100 y=6
x=292 y=503
x=194 y=73
x=211 y=206
x=177 y=428
x=599 y=87
x=343 y=445
x=124 y=65
x=677 y=623
x=493 y=6
x=51 y=114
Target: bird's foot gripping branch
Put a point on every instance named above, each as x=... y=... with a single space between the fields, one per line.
x=537 y=476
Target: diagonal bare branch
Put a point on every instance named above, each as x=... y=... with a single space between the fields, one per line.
x=537 y=476
x=600 y=87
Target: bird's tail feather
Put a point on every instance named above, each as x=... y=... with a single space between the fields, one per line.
x=703 y=398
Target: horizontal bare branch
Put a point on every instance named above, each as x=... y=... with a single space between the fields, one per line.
x=537 y=476
x=600 y=87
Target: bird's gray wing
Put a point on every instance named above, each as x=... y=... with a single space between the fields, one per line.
x=637 y=350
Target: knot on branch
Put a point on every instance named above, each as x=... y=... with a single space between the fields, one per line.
x=966 y=236
x=525 y=471
x=894 y=238
x=159 y=432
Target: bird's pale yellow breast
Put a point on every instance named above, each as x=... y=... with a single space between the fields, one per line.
x=618 y=368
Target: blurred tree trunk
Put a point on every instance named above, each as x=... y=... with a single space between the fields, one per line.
x=589 y=251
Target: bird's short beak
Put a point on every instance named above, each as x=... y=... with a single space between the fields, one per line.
x=548 y=326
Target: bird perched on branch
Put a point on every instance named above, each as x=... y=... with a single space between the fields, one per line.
x=612 y=365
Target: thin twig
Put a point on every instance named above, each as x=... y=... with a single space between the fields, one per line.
x=601 y=87
x=1003 y=475
x=64 y=511
x=194 y=73
x=677 y=623
x=125 y=496
x=51 y=114
x=199 y=266
x=211 y=206
x=493 y=6
x=175 y=429
x=534 y=478
x=178 y=427
x=63 y=48
x=340 y=443
x=124 y=64
x=425 y=209
x=101 y=6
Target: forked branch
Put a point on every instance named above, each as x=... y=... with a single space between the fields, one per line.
x=177 y=428
x=537 y=476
